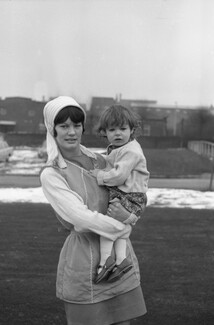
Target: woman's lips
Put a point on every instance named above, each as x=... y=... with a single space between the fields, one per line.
x=70 y=140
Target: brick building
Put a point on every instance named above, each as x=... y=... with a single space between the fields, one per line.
x=21 y=115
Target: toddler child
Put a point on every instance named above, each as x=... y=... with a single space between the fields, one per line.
x=126 y=177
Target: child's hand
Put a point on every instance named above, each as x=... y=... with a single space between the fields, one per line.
x=94 y=172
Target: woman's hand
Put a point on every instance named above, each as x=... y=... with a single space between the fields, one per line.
x=94 y=172
x=117 y=211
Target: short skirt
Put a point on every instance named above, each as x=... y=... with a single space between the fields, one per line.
x=127 y=306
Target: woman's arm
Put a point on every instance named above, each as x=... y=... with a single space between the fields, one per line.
x=118 y=212
x=70 y=206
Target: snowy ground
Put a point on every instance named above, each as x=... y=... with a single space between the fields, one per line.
x=26 y=161
x=156 y=197
x=23 y=161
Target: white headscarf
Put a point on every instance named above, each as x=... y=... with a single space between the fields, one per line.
x=51 y=109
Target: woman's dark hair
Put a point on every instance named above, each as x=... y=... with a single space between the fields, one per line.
x=74 y=113
x=117 y=116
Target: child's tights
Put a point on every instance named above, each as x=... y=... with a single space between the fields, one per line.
x=106 y=246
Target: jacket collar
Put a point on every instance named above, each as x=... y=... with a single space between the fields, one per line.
x=60 y=162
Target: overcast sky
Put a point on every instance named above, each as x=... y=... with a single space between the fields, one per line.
x=144 y=49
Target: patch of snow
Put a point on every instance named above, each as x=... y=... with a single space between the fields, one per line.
x=180 y=198
x=31 y=195
x=26 y=161
x=156 y=197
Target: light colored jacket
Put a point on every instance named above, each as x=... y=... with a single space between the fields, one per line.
x=126 y=168
x=78 y=201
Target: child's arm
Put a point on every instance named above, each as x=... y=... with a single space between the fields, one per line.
x=94 y=172
x=123 y=166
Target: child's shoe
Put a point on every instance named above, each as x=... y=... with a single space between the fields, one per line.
x=120 y=270
x=105 y=270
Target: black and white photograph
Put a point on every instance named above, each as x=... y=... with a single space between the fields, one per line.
x=106 y=162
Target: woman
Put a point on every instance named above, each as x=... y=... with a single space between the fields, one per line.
x=81 y=207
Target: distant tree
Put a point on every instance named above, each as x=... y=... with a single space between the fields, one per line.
x=200 y=125
x=203 y=118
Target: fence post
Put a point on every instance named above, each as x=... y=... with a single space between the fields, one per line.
x=211 y=175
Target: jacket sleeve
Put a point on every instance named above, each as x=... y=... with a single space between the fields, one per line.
x=70 y=207
x=123 y=166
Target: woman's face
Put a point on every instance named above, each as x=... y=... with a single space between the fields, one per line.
x=69 y=136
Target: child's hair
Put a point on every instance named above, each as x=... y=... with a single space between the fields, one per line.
x=74 y=113
x=117 y=116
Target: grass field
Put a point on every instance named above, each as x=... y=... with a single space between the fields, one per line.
x=174 y=248
x=176 y=162
x=172 y=162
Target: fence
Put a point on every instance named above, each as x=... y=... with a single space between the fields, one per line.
x=203 y=148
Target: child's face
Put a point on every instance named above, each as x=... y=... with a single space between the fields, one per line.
x=119 y=135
